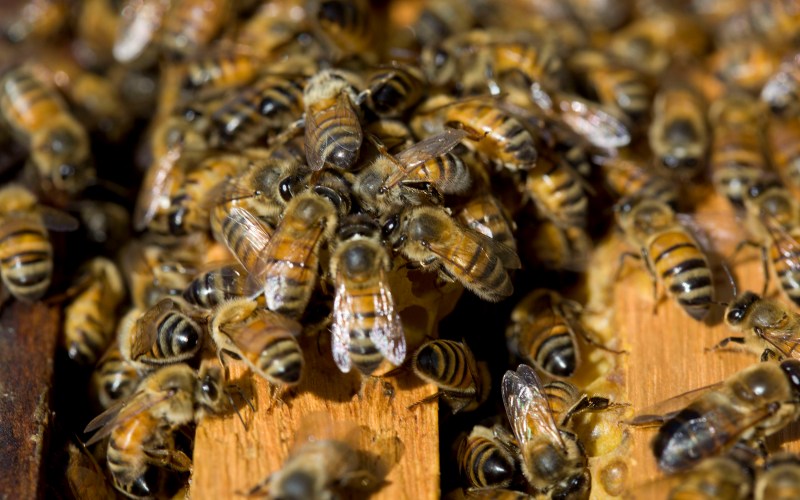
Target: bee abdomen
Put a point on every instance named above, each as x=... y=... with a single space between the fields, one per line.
x=282 y=360
x=490 y=277
x=363 y=353
x=556 y=354
x=445 y=361
x=337 y=143
x=26 y=262
x=178 y=336
x=684 y=268
x=688 y=438
x=485 y=466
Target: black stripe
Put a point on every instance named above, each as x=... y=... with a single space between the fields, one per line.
x=687 y=265
x=667 y=251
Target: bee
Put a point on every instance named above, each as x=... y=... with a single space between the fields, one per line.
x=746 y=65
x=26 y=254
x=37 y=20
x=168 y=332
x=332 y=125
x=273 y=26
x=773 y=217
x=366 y=327
x=780 y=92
x=269 y=104
x=90 y=319
x=216 y=286
x=737 y=156
x=154 y=271
x=715 y=477
x=115 y=379
x=429 y=235
x=543 y=331
x=496 y=135
x=191 y=25
x=768 y=326
x=485 y=460
x=83 y=474
x=141 y=430
x=139 y=28
x=347 y=25
x=552 y=458
x=630 y=178
x=264 y=340
x=394 y=89
x=783 y=145
x=485 y=214
x=286 y=270
x=217 y=70
x=439 y=19
x=672 y=255
x=558 y=192
x=40 y=119
x=556 y=247
x=779 y=479
x=462 y=382
x=611 y=83
x=751 y=404
x=678 y=134
x=413 y=176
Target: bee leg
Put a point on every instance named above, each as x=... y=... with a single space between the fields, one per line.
x=765 y=269
x=361 y=480
x=587 y=403
x=768 y=354
x=259 y=489
x=172 y=459
x=722 y=345
x=589 y=339
x=426 y=400
x=621 y=263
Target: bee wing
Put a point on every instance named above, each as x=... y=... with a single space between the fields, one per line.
x=84 y=475
x=343 y=316
x=596 y=125
x=121 y=412
x=255 y=236
x=412 y=158
x=387 y=332
x=660 y=411
x=527 y=408
x=344 y=114
x=157 y=184
x=56 y=220
x=146 y=330
x=787 y=245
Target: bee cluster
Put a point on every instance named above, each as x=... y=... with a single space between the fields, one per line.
x=319 y=169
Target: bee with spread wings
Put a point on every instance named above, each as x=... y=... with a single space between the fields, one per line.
x=366 y=328
x=553 y=459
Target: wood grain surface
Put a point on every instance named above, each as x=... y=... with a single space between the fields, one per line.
x=28 y=335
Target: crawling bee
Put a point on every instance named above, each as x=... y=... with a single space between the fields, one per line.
x=191 y=25
x=217 y=285
x=347 y=25
x=485 y=460
x=114 y=379
x=678 y=134
x=394 y=89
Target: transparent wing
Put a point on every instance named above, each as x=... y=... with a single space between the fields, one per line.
x=387 y=332
x=157 y=185
x=343 y=315
x=787 y=246
x=56 y=220
x=146 y=331
x=659 y=411
x=414 y=157
x=527 y=408
x=590 y=121
x=121 y=412
x=343 y=116
x=254 y=238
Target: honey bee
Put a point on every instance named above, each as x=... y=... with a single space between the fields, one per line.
x=141 y=430
x=751 y=404
x=783 y=145
x=37 y=20
x=264 y=340
x=26 y=254
x=556 y=247
x=462 y=382
x=773 y=217
x=672 y=255
x=715 y=477
x=332 y=125
x=366 y=328
x=495 y=134
x=413 y=176
x=114 y=379
x=154 y=271
x=780 y=92
x=746 y=65
x=485 y=460
x=543 y=331
x=611 y=83
x=485 y=214
x=216 y=286
x=678 y=134
x=139 y=27
x=394 y=89
x=191 y=25
x=83 y=474
x=439 y=19
x=90 y=319
x=558 y=192
x=40 y=119
x=168 y=332
x=566 y=401
x=779 y=479
x=429 y=236
x=273 y=26
x=769 y=327
x=347 y=25
x=552 y=458
x=286 y=270
x=737 y=156
x=269 y=104
x=219 y=69
x=630 y=178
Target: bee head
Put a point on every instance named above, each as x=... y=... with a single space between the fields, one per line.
x=791 y=368
x=739 y=308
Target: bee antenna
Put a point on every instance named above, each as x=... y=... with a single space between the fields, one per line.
x=730 y=279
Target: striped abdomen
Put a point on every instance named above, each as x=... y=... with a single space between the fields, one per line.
x=558 y=193
x=292 y=274
x=335 y=137
x=346 y=23
x=280 y=359
x=737 y=161
x=447 y=172
x=216 y=286
x=540 y=63
x=270 y=103
x=500 y=136
x=395 y=89
x=622 y=87
x=484 y=464
x=484 y=272
x=178 y=338
x=221 y=70
x=363 y=353
x=546 y=342
x=626 y=179
x=484 y=214
x=450 y=366
x=786 y=262
x=128 y=446
x=683 y=268
x=26 y=257
x=27 y=103
x=784 y=146
x=114 y=378
x=561 y=397
x=234 y=234
x=89 y=324
x=192 y=24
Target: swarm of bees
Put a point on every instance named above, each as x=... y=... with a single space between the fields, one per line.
x=302 y=164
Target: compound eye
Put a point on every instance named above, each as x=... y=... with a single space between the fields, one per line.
x=66 y=171
x=440 y=58
x=286 y=188
x=390 y=226
x=791 y=368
